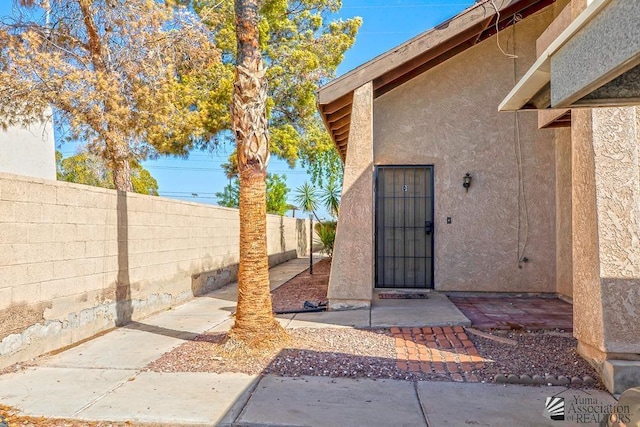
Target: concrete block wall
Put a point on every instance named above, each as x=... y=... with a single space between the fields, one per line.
x=78 y=260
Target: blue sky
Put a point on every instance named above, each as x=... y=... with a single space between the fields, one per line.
x=386 y=24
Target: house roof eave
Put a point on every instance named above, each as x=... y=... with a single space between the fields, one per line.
x=414 y=57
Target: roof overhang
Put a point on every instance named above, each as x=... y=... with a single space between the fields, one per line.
x=594 y=62
x=416 y=56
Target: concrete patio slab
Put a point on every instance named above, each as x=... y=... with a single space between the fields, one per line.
x=436 y=310
x=175 y=398
x=202 y=306
x=455 y=404
x=58 y=392
x=321 y=401
x=331 y=319
x=124 y=348
x=222 y=327
x=190 y=324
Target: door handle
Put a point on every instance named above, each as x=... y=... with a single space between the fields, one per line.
x=428 y=227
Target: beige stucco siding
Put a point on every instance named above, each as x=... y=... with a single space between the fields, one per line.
x=606 y=238
x=564 y=247
x=448 y=117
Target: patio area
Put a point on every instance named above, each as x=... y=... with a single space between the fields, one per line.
x=506 y=312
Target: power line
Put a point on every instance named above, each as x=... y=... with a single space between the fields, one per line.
x=187 y=197
x=186 y=192
x=203 y=169
x=404 y=6
x=189 y=157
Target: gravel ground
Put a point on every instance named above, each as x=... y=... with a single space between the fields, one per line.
x=328 y=352
x=355 y=353
x=537 y=353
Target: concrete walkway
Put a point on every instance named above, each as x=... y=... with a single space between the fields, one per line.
x=104 y=379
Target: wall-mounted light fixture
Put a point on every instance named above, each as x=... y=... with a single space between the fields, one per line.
x=466 y=181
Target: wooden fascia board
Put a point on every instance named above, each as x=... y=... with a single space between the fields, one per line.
x=340 y=131
x=342 y=138
x=382 y=89
x=524 y=9
x=484 y=28
x=454 y=46
x=340 y=123
x=553 y=118
x=337 y=104
x=339 y=107
x=474 y=16
x=427 y=56
x=343 y=112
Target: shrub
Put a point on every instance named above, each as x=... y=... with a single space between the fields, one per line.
x=326 y=232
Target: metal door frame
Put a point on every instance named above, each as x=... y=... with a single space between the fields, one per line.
x=375 y=220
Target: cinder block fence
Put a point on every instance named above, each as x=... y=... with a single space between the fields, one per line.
x=78 y=260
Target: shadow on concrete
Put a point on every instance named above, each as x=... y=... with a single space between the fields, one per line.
x=123 y=285
x=159 y=330
x=275 y=398
x=283 y=394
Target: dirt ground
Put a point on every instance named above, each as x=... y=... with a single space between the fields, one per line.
x=303 y=287
x=10 y=418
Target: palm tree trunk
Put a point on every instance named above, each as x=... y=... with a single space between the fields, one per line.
x=255 y=326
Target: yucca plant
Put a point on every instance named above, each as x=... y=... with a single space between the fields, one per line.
x=309 y=198
x=326 y=233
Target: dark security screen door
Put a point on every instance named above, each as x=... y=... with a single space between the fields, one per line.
x=404 y=227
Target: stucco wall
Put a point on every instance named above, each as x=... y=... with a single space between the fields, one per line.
x=617 y=170
x=587 y=298
x=351 y=279
x=77 y=260
x=448 y=117
x=606 y=241
x=28 y=151
x=564 y=246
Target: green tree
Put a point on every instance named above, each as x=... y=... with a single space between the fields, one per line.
x=301 y=49
x=117 y=74
x=89 y=169
x=230 y=195
x=277 y=191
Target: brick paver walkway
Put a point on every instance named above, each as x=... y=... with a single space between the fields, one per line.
x=516 y=312
x=440 y=350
